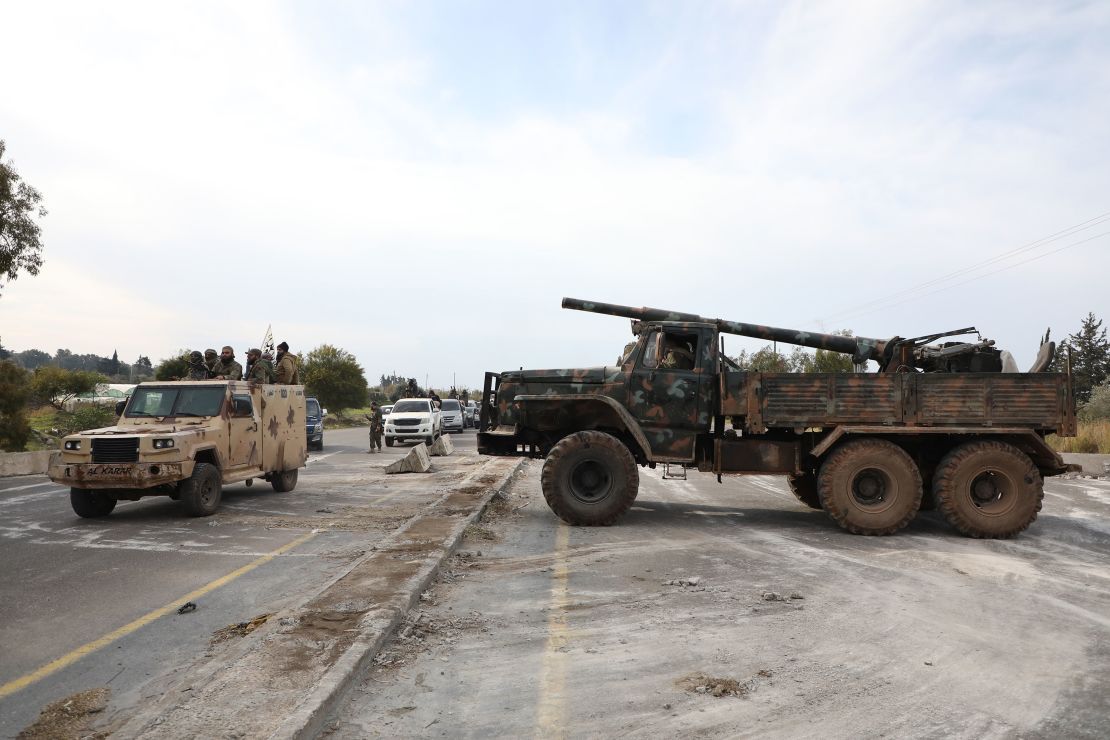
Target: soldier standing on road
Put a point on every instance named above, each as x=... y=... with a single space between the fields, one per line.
x=197 y=369
x=227 y=368
x=376 y=427
x=258 y=370
x=211 y=359
x=287 y=371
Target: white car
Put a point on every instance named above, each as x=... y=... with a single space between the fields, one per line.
x=470 y=414
x=413 y=419
x=451 y=412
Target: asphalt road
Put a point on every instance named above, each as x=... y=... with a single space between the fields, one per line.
x=544 y=630
x=91 y=603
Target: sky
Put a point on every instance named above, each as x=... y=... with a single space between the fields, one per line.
x=420 y=183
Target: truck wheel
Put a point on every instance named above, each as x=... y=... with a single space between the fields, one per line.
x=590 y=478
x=988 y=489
x=91 y=504
x=804 y=488
x=200 y=492
x=284 y=481
x=389 y=441
x=870 y=486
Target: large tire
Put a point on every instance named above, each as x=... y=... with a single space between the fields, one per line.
x=988 y=489
x=200 y=493
x=284 y=481
x=389 y=441
x=870 y=487
x=590 y=479
x=804 y=488
x=91 y=504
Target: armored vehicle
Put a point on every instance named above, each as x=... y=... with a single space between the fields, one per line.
x=186 y=440
x=939 y=425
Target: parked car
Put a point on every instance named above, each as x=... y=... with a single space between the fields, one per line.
x=470 y=414
x=413 y=419
x=452 y=412
x=314 y=423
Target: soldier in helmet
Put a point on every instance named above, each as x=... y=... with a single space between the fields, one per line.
x=197 y=369
x=258 y=369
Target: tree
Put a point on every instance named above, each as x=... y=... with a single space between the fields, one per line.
x=334 y=376
x=1090 y=357
x=173 y=368
x=1099 y=406
x=55 y=386
x=15 y=390
x=32 y=358
x=20 y=247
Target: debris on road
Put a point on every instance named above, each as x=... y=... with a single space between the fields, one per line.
x=241 y=629
x=684 y=582
x=68 y=717
x=699 y=683
x=417 y=461
x=442 y=447
x=775 y=596
x=187 y=607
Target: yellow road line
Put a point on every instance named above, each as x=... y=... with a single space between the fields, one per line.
x=91 y=647
x=550 y=715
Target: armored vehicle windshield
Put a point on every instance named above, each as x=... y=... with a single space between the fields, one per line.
x=176 y=401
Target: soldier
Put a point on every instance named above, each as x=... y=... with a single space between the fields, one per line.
x=210 y=360
x=376 y=427
x=258 y=370
x=436 y=400
x=197 y=369
x=287 y=372
x=227 y=368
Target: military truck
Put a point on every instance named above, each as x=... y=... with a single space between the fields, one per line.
x=186 y=440
x=938 y=425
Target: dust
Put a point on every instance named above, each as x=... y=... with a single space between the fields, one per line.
x=478 y=532
x=421 y=632
x=241 y=629
x=69 y=717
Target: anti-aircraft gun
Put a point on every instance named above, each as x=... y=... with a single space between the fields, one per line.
x=946 y=424
x=892 y=355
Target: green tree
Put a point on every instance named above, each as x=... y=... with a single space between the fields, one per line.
x=334 y=376
x=84 y=416
x=32 y=358
x=15 y=391
x=1090 y=357
x=55 y=386
x=20 y=204
x=173 y=368
x=1098 y=407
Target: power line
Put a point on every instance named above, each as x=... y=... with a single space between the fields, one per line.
x=901 y=295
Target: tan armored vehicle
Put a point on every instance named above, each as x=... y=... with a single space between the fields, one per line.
x=186 y=440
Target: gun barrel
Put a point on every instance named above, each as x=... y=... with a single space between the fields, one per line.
x=861 y=348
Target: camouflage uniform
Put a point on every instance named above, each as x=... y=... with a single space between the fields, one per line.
x=231 y=370
x=210 y=361
x=259 y=370
x=197 y=369
x=376 y=429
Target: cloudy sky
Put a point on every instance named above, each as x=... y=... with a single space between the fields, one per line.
x=420 y=183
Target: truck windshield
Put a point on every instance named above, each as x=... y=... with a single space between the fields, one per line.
x=184 y=401
x=402 y=407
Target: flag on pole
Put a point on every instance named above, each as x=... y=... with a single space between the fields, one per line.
x=268 y=341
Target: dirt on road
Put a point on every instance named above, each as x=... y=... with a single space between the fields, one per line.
x=733 y=611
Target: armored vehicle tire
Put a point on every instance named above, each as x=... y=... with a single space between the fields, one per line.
x=91 y=504
x=870 y=486
x=200 y=492
x=988 y=489
x=590 y=479
x=804 y=488
x=389 y=441
x=283 y=481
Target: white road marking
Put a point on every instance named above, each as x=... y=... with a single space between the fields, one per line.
x=24 y=488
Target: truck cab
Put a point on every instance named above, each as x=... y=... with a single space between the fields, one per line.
x=186 y=440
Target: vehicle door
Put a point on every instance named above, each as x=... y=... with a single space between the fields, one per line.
x=667 y=393
x=243 y=431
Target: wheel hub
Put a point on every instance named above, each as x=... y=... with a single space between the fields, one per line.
x=590 y=481
x=869 y=487
x=985 y=489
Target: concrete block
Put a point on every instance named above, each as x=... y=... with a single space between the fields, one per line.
x=442 y=447
x=417 y=461
x=25 y=463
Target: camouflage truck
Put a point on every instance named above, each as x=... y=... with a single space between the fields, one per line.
x=938 y=425
x=186 y=440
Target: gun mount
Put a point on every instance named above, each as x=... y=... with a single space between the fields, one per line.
x=892 y=355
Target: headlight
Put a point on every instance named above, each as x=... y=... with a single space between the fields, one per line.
x=162 y=444
x=73 y=444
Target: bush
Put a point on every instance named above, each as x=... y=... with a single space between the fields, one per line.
x=1099 y=405
x=1091 y=437
x=15 y=389
x=84 y=416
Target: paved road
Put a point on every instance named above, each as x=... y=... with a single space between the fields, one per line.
x=89 y=603
x=556 y=631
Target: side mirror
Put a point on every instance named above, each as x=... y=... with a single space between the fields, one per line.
x=120 y=406
x=323 y=412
